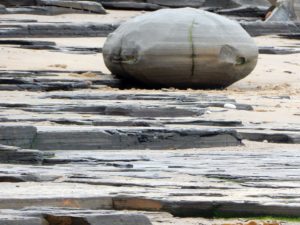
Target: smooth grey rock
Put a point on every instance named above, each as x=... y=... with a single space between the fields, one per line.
x=181 y=48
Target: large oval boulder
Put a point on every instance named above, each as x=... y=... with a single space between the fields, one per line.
x=181 y=48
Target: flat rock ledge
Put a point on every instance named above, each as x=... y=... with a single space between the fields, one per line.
x=59 y=216
x=52 y=212
x=112 y=138
x=96 y=29
x=230 y=183
x=11 y=154
x=207 y=209
x=20 y=136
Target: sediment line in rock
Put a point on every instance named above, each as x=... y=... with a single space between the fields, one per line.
x=256 y=28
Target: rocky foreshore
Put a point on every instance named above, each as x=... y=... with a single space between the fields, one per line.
x=81 y=146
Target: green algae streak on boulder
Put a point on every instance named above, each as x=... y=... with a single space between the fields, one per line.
x=181 y=48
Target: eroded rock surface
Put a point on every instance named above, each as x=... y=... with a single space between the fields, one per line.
x=247 y=178
x=11 y=154
x=51 y=7
x=58 y=216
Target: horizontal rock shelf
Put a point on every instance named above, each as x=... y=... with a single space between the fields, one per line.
x=215 y=182
x=88 y=6
x=67 y=138
x=51 y=7
x=121 y=121
x=129 y=5
x=196 y=3
x=59 y=30
x=102 y=30
x=206 y=209
x=35 y=85
x=245 y=11
x=277 y=51
x=51 y=46
x=21 y=136
x=53 y=216
x=202 y=100
x=15 y=74
x=151 y=110
x=126 y=138
x=10 y=154
x=272 y=136
x=295 y=36
x=266 y=28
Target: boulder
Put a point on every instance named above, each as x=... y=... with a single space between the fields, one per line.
x=181 y=48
